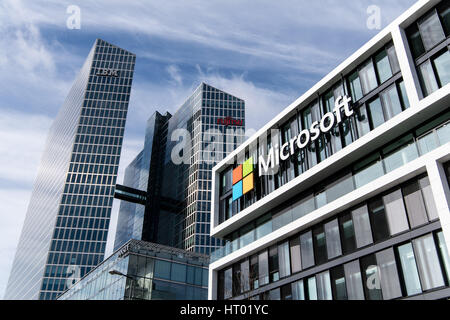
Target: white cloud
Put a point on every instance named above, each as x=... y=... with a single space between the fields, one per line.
x=287 y=32
x=174 y=73
x=23 y=139
x=14 y=205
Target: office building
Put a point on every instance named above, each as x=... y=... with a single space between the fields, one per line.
x=167 y=187
x=66 y=225
x=145 y=271
x=345 y=194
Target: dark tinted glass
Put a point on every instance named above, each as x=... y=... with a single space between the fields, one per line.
x=431 y=30
x=415 y=42
x=378 y=221
x=347 y=233
x=320 y=248
x=371 y=284
x=338 y=285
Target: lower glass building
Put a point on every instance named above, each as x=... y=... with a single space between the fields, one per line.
x=144 y=271
x=345 y=195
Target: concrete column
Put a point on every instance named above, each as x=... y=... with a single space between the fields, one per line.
x=212 y=285
x=441 y=194
x=407 y=66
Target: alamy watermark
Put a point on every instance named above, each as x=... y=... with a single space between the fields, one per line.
x=74 y=20
x=374 y=17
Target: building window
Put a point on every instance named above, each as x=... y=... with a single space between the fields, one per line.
x=162 y=269
x=298 y=290
x=415 y=204
x=324 y=286
x=274 y=268
x=431 y=30
x=404 y=96
x=378 y=220
x=306 y=250
x=362 y=121
x=320 y=248
x=347 y=233
x=391 y=102
x=390 y=283
x=376 y=113
x=355 y=86
x=444 y=254
x=286 y=292
x=395 y=212
x=426 y=37
x=263 y=268
x=383 y=66
x=237 y=275
x=254 y=272
x=442 y=66
x=368 y=77
x=178 y=272
x=312 y=288
x=409 y=269
x=430 y=205
x=444 y=13
x=228 y=283
x=226 y=181
x=296 y=261
x=370 y=278
x=245 y=276
x=428 y=263
x=284 y=259
x=353 y=281
x=415 y=42
x=427 y=78
x=338 y=285
x=333 y=239
x=361 y=220
x=393 y=59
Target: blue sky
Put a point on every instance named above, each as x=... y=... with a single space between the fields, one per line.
x=265 y=52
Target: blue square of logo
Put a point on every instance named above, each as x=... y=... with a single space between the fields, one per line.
x=237 y=190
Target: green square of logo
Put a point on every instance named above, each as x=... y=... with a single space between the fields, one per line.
x=248 y=167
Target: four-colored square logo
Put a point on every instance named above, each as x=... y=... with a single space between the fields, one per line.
x=243 y=179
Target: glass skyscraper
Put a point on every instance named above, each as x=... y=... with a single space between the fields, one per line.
x=178 y=202
x=65 y=229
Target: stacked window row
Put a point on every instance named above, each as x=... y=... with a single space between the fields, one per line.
x=98 y=121
x=408 y=269
x=409 y=147
x=399 y=210
x=109 y=88
x=93 y=178
x=104 y=47
x=378 y=94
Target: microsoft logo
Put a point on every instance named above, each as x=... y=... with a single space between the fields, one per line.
x=243 y=179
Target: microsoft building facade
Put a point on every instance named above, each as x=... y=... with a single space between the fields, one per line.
x=345 y=194
x=66 y=225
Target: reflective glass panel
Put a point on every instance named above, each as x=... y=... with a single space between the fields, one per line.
x=442 y=65
x=409 y=269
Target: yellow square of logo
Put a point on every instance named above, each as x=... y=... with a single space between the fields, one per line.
x=248 y=184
